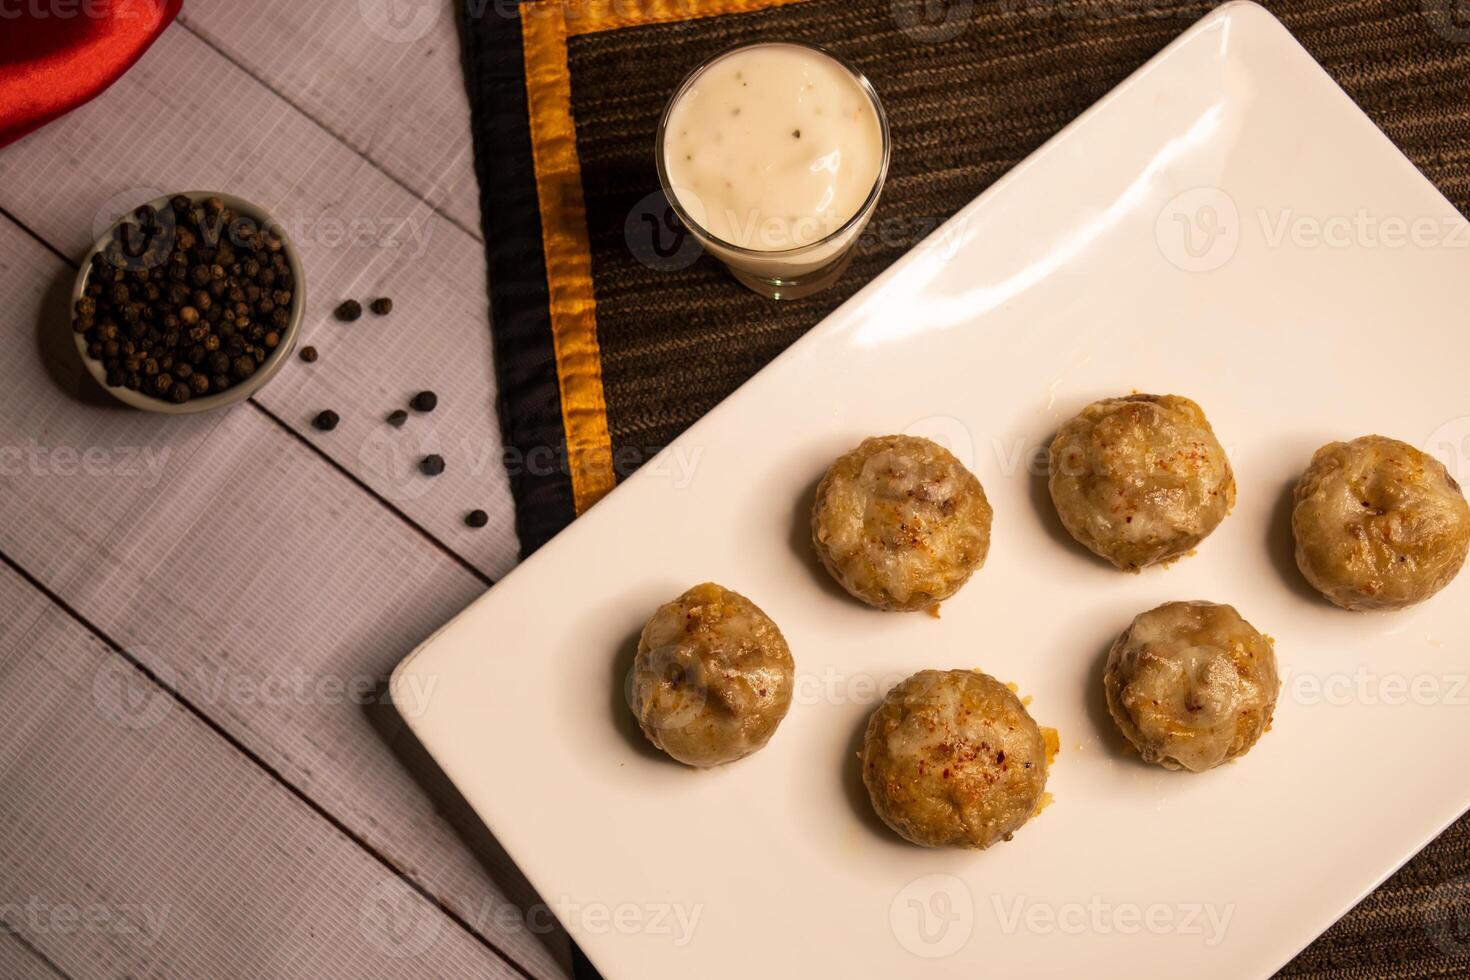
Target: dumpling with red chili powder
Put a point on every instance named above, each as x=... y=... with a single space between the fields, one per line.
x=1140 y=480
x=900 y=523
x=951 y=758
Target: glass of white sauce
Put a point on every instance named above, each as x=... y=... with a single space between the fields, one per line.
x=773 y=155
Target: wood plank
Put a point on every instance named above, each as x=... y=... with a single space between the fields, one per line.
x=384 y=76
x=186 y=118
x=19 y=962
x=258 y=581
x=136 y=841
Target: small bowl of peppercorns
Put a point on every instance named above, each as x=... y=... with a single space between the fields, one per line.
x=189 y=303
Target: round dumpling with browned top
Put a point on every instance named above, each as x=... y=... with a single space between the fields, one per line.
x=1191 y=685
x=901 y=523
x=1140 y=480
x=712 y=678
x=1378 y=524
x=952 y=759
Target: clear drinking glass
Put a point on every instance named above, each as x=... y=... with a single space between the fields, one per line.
x=779 y=272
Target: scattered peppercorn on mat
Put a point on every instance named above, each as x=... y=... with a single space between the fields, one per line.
x=613 y=332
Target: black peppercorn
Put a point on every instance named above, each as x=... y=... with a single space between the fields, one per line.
x=172 y=288
x=326 y=420
x=432 y=464
x=308 y=354
x=397 y=417
x=382 y=306
x=477 y=518
x=347 y=312
x=424 y=401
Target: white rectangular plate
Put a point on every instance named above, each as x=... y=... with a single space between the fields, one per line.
x=1318 y=295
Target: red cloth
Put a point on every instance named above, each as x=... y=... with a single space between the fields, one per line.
x=57 y=54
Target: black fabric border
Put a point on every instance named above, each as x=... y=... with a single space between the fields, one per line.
x=525 y=353
x=529 y=392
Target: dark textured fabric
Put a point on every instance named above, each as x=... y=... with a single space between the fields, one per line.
x=968 y=97
x=525 y=363
x=1417 y=924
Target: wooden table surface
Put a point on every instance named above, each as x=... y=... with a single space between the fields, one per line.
x=201 y=775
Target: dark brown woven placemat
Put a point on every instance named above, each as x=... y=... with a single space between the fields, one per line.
x=970 y=89
x=1417 y=924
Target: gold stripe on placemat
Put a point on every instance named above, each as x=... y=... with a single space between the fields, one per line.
x=545 y=27
x=568 y=256
x=590 y=16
